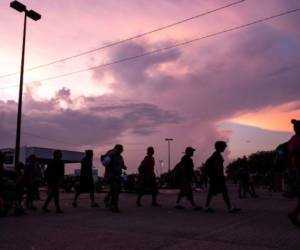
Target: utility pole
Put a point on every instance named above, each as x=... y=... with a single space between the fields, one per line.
x=34 y=16
x=168 y=140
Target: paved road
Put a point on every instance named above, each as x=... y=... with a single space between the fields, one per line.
x=262 y=225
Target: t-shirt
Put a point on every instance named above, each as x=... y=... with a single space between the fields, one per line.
x=187 y=168
x=148 y=166
x=217 y=165
x=55 y=171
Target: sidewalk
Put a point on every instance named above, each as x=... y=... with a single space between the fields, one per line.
x=262 y=225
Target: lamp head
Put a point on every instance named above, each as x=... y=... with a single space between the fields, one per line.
x=33 y=15
x=18 y=6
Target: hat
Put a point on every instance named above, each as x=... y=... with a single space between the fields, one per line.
x=296 y=122
x=189 y=149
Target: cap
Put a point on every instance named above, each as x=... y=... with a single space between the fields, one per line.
x=189 y=149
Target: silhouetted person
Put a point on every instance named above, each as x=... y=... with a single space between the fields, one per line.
x=86 y=179
x=32 y=176
x=20 y=187
x=147 y=178
x=187 y=173
x=113 y=174
x=294 y=170
x=54 y=176
x=1 y=182
x=215 y=171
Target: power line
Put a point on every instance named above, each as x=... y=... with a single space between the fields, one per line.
x=147 y=53
x=126 y=39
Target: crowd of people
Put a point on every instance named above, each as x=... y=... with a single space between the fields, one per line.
x=26 y=177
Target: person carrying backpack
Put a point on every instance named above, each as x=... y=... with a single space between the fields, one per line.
x=113 y=173
x=147 y=178
x=215 y=171
x=187 y=174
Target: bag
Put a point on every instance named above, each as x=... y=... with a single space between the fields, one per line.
x=142 y=168
x=105 y=160
x=177 y=174
x=208 y=168
x=281 y=157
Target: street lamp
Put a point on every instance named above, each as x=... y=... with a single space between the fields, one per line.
x=161 y=163
x=34 y=16
x=168 y=140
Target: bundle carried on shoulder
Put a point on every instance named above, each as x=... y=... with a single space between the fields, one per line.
x=105 y=160
x=208 y=167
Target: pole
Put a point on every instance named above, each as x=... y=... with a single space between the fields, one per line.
x=169 y=157
x=18 y=133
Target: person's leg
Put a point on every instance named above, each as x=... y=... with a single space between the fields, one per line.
x=226 y=199
x=92 y=197
x=49 y=198
x=240 y=190
x=141 y=192
x=56 y=200
x=189 y=194
x=114 y=195
x=30 y=196
x=115 y=192
x=154 y=192
x=180 y=195
x=208 y=198
x=252 y=190
x=107 y=199
x=75 y=198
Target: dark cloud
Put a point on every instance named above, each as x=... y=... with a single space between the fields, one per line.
x=99 y=120
x=226 y=76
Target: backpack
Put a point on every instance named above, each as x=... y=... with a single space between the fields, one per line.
x=142 y=168
x=281 y=157
x=105 y=160
x=176 y=174
x=208 y=167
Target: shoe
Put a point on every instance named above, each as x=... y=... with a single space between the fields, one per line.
x=139 y=204
x=293 y=218
x=94 y=205
x=197 y=208
x=234 y=210
x=74 y=204
x=179 y=207
x=209 y=210
x=46 y=210
x=59 y=211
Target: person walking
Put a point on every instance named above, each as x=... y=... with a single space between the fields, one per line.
x=187 y=176
x=54 y=175
x=32 y=176
x=113 y=173
x=294 y=170
x=214 y=168
x=86 y=179
x=147 y=178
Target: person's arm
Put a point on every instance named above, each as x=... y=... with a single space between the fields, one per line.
x=123 y=164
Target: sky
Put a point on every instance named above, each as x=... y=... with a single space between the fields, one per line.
x=240 y=86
